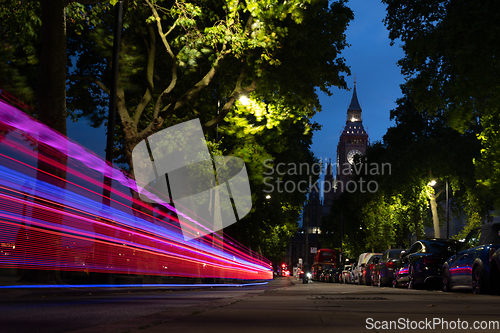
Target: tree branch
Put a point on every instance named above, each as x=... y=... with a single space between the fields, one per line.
x=237 y=92
x=149 y=76
x=89 y=79
x=173 y=80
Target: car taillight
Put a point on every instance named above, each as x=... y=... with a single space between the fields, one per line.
x=390 y=264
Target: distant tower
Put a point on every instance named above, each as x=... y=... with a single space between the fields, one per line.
x=353 y=141
x=352 y=145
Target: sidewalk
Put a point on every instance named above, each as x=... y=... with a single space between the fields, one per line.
x=317 y=307
x=287 y=305
x=290 y=309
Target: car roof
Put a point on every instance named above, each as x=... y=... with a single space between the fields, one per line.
x=364 y=257
x=394 y=250
x=439 y=240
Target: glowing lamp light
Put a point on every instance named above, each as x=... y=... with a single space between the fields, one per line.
x=432 y=183
x=244 y=100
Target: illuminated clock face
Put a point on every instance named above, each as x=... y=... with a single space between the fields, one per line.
x=351 y=154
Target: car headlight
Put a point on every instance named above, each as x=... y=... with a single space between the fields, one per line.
x=309 y=275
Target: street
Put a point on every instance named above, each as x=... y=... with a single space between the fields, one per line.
x=280 y=306
x=68 y=310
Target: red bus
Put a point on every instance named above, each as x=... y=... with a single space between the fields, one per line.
x=323 y=259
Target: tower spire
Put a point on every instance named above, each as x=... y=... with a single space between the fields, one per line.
x=354 y=106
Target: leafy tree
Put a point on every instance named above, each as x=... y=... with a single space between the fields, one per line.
x=422 y=147
x=184 y=60
x=179 y=56
x=451 y=62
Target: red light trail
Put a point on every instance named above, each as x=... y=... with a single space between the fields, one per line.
x=66 y=227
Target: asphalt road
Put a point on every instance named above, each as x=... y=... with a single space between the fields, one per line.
x=68 y=310
x=279 y=306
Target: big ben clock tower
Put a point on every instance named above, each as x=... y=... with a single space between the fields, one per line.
x=352 y=145
x=353 y=141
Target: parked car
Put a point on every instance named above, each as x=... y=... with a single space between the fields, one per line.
x=384 y=271
x=401 y=271
x=332 y=275
x=336 y=275
x=425 y=261
x=362 y=260
x=325 y=275
x=346 y=274
x=329 y=275
x=469 y=267
x=368 y=269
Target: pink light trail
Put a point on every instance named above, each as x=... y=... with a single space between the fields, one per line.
x=66 y=227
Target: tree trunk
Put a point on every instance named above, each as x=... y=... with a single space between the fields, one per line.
x=435 y=217
x=51 y=102
x=51 y=85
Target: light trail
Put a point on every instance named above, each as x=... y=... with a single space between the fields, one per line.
x=67 y=228
x=158 y=285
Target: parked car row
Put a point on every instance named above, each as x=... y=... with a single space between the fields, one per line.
x=446 y=264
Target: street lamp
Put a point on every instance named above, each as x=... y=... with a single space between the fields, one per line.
x=447 y=212
x=244 y=100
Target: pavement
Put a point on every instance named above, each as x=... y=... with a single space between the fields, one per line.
x=287 y=305
x=322 y=307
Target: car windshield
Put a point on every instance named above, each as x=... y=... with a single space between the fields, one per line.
x=395 y=254
x=374 y=259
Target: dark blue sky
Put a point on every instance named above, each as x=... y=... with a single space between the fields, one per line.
x=370 y=57
x=373 y=61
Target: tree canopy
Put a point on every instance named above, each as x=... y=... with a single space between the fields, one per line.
x=451 y=63
x=181 y=59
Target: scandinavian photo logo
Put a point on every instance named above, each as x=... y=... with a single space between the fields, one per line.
x=305 y=177
x=208 y=193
